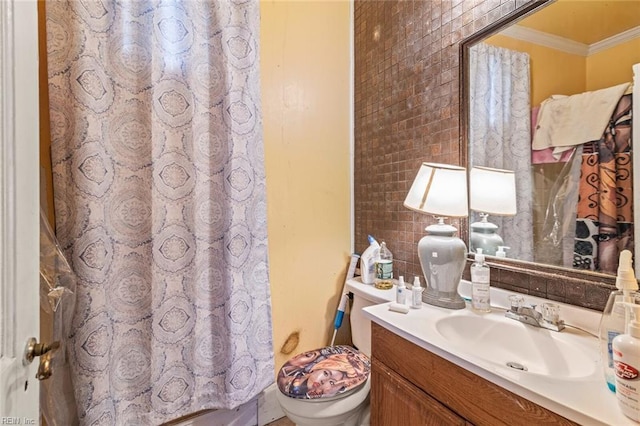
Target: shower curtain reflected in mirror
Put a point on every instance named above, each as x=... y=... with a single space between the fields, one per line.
x=605 y=209
x=589 y=216
x=159 y=189
x=500 y=134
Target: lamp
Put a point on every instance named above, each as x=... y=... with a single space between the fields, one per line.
x=440 y=190
x=492 y=191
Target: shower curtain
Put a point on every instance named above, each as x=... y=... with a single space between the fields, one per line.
x=604 y=217
x=499 y=133
x=159 y=187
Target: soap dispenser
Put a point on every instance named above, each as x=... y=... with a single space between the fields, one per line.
x=501 y=251
x=615 y=316
x=480 y=284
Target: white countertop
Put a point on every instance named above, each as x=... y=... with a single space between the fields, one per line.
x=585 y=400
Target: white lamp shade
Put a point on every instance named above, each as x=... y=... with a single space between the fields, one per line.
x=493 y=191
x=440 y=190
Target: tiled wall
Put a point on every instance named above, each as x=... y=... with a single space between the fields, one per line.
x=407 y=111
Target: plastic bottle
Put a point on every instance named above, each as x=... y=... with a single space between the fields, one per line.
x=501 y=251
x=480 y=284
x=626 y=359
x=416 y=294
x=384 y=264
x=401 y=291
x=368 y=262
x=615 y=316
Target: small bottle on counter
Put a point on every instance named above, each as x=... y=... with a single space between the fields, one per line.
x=401 y=291
x=416 y=294
x=480 y=284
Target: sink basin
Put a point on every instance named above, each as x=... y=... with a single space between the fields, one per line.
x=512 y=344
x=563 y=373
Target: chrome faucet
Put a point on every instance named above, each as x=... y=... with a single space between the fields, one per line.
x=549 y=318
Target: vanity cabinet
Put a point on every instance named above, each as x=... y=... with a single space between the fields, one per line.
x=398 y=402
x=412 y=386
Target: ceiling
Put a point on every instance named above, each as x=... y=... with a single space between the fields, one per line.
x=585 y=21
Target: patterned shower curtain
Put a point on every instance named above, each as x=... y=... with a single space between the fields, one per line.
x=159 y=188
x=499 y=133
x=604 y=217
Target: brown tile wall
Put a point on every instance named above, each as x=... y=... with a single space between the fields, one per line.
x=407 y=111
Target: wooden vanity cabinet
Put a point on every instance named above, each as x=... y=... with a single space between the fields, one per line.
x=412 y=386
x=398 y=402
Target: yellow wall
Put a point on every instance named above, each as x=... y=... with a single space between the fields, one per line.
x=305 y=68
x=613 y=66
x=562 y=73
x=555 y=72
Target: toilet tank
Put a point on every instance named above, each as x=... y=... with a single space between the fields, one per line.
x=365 y=295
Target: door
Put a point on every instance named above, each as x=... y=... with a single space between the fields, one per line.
x=19 y=209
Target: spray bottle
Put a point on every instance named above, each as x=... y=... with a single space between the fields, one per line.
x=615 y=316
x=401 y=291
x=626 y=360
x=416 y=294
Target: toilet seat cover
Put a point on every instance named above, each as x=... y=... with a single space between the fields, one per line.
x=324 y=373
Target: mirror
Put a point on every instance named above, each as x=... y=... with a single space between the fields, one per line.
x=578 y=53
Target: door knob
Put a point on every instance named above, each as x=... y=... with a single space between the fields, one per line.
x=44 y=369
x=35 y=349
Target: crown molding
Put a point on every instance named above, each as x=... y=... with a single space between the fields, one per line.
x=546 y=39
x=612 y=41
x=569 y=46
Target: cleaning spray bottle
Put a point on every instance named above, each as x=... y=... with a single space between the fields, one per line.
x=615 y=316
x=626 y=361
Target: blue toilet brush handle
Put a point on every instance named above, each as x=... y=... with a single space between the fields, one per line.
x=337 y=323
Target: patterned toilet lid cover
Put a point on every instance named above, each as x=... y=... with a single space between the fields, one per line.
x=324 y=372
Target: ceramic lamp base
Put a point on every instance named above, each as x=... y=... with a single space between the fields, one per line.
x=483 y=235
x=442 y=257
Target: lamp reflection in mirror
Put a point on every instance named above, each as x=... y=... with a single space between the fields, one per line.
x=441 y=190
x=491 y=191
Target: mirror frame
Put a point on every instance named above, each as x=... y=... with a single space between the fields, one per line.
x=513 y=266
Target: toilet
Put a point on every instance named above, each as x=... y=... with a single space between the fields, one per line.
x=335 y=397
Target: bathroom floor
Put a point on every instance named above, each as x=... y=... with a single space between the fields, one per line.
x=282 y=422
